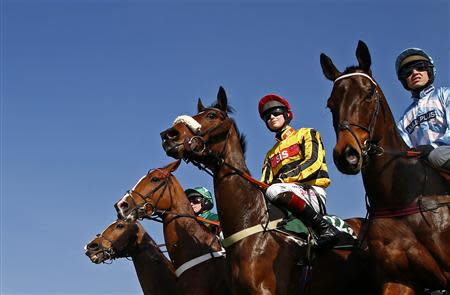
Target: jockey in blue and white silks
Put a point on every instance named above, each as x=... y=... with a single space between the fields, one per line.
x=426 y=120
x=425 y=125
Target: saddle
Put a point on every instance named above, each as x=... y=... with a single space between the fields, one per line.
x=294 y=227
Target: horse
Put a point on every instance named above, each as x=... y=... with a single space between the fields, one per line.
x=262 y=261
x=195 y=252
x=129 y=239
x=409 y=222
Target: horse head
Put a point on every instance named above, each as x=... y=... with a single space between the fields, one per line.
x=204 y=136
x=152 y=195
x=116 y=241
x=357 y=105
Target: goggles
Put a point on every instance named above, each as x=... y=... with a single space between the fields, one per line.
x=274 y=111
x=406 y=71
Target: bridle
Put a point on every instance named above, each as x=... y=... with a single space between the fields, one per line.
x=368 y=147
x=197 y=145
x=108 y=253
x=140 y=211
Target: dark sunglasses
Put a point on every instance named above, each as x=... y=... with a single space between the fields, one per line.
x=195 y=200
x=275 y=112
x=407 y=70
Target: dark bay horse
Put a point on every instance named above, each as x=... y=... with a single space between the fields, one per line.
x=409 y=229
x=195 y=252
x=266 y=262
x=129 y=239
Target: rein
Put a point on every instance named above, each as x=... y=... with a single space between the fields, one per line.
x=368 y=147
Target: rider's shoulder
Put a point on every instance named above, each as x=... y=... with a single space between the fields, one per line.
x=307 y=130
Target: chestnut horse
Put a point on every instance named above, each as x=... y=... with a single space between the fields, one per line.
x=195 y=252
x=266 y=262
x=409 y=228
x=129 y=239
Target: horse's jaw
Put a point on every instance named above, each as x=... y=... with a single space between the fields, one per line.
x=173 y=149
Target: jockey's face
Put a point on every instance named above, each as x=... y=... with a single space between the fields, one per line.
x=196 y=204
x=417 y=79
x=275 y=122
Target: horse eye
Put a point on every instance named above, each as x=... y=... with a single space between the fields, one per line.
x=155 y=179
x=120 y=225
x=212 y=115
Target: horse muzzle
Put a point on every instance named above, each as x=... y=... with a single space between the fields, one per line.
x=349 y=160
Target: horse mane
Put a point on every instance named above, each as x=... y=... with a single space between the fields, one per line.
x=242 y=137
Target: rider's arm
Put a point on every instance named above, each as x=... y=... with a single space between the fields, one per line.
x=444 y=97
x=266 y=175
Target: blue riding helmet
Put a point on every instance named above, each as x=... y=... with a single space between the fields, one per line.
x=414 y=56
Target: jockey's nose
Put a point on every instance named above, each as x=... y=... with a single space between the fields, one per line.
x=170 y=134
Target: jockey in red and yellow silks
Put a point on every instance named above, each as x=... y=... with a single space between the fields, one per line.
x=295 y=169
x=298 y=156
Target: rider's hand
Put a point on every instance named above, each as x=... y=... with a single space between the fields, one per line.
x=424 y=149
x=276 y=180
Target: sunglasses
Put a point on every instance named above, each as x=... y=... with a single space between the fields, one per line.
x=195 y=200
x=407 y=70
x=275 y=112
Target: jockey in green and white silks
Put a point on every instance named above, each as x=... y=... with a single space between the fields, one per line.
x=202 y=203
x=425 y=124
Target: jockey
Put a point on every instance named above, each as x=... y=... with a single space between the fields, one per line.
x=202 y=202
x=295 y=169
x=425 y=125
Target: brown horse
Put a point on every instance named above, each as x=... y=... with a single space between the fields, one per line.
x=195 y=252
x=409 y=230
x=129 y=239
x=266 y=262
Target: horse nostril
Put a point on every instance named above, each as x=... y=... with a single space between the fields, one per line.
x=123 y=205
x=92 y=246
x=170 y=134
x=351 y=155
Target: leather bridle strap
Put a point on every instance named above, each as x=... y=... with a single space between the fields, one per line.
x=365 y=147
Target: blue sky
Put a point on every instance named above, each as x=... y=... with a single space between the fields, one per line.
x=86 y=87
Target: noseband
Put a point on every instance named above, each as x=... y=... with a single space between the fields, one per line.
x=108 y=253
x=197 y=145
x=368 y=147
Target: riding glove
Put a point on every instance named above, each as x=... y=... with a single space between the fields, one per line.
x=424 y=149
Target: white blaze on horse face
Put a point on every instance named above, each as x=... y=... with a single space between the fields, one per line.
x=188 y=121
x=123 y=209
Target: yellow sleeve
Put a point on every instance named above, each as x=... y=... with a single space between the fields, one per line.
x=266 y=175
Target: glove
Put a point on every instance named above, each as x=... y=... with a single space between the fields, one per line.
x=424 y=149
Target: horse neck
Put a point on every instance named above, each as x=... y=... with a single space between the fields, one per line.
x=155 y=272
x=185 y=237
x=385 y=176
x=239 y=203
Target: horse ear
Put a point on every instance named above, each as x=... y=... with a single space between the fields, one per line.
x=328 y=68
x=222 y=99
x=200 y=106
x=363 y=56
x=173 y=166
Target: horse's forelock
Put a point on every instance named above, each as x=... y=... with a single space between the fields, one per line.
x=230 y=109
